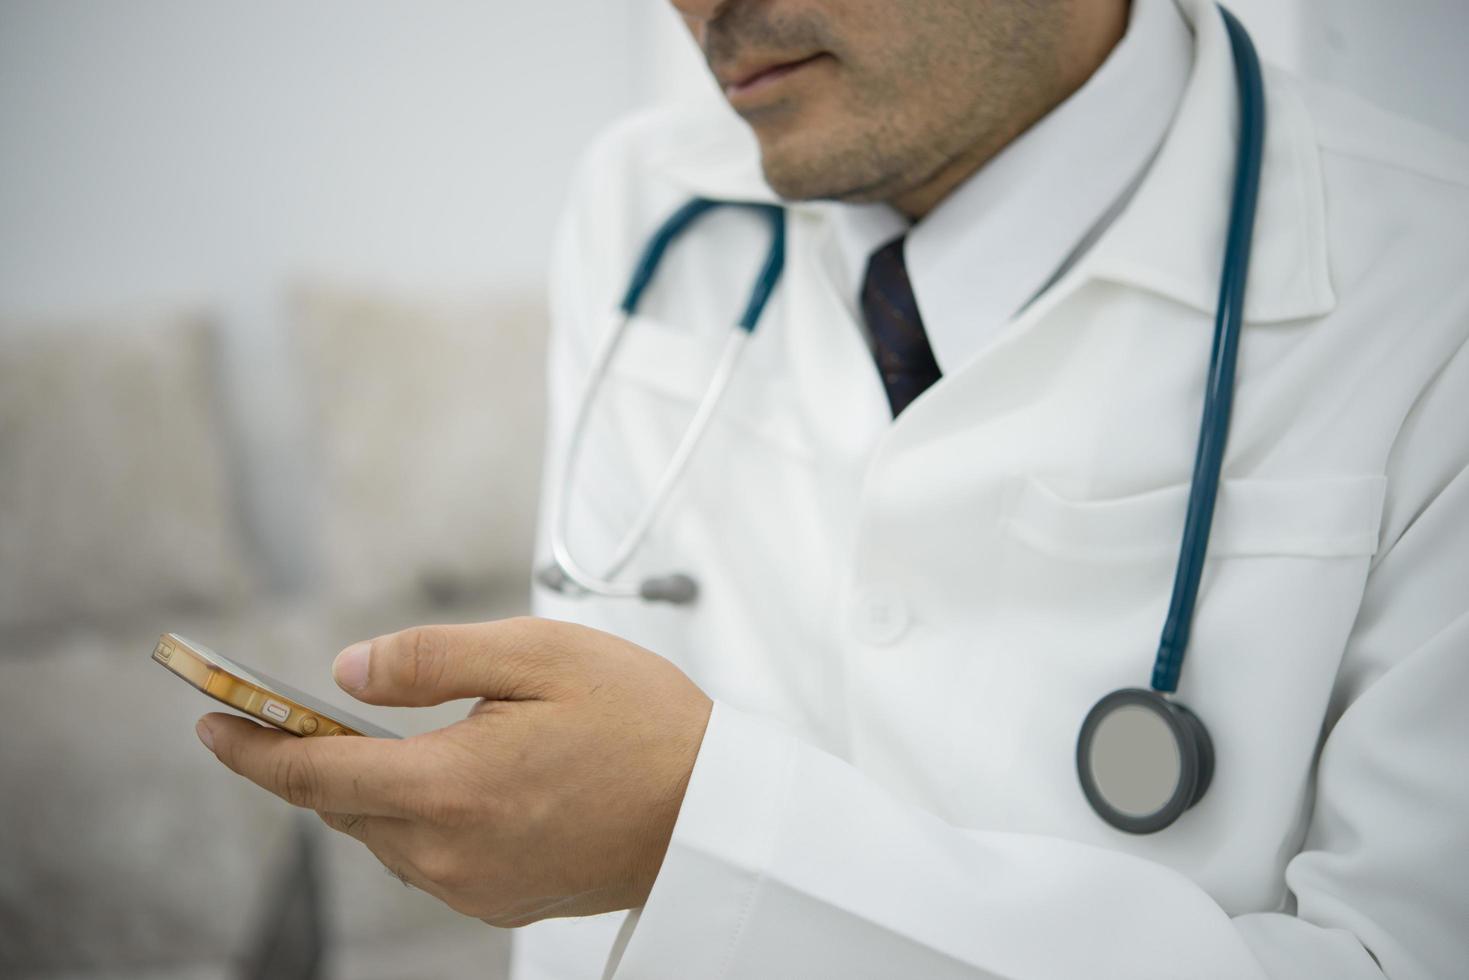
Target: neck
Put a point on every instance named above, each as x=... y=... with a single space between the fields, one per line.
x=1093 y=30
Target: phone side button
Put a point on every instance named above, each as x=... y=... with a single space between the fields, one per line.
x=308 y=725
x=275 y=711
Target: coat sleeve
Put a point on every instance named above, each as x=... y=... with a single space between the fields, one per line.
x=788 y=862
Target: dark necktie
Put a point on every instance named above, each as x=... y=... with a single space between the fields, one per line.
x=904 y=358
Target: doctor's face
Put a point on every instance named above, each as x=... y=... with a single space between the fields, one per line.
x=894 y=100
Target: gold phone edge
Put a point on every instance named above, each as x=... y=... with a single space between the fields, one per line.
x=240 y=694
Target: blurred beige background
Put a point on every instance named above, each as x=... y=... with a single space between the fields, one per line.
x=271 y=331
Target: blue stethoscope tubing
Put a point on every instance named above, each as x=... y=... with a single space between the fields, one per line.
x=1219 y=393
x=565 y=574
x=1191 y=743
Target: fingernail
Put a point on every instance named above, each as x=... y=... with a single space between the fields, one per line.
x=205 y=735
x=349 y=670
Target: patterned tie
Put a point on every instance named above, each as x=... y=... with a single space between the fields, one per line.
x=904 y=358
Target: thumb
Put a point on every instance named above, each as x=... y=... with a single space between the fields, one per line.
x=508 y=660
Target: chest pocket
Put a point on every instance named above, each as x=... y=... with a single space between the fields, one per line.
x=1323 y=517
x=1292 y=551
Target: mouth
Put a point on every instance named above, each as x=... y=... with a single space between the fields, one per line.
x=747 y=83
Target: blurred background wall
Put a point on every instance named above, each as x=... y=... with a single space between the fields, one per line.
x=212 y=153
x=270 y=333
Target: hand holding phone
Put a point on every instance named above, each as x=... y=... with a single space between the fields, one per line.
x=557 y=795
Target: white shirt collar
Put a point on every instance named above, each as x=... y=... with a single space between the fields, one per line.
x=999 y=239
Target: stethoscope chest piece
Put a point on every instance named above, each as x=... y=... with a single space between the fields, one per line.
x=1143 y=760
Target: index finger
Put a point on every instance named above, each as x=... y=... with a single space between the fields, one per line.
x=352 y=774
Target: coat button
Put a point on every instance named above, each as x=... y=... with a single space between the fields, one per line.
x=879 y=615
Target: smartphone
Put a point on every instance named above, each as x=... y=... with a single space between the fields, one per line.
x=263 y=698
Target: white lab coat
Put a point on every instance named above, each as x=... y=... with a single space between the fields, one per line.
x=904 y=623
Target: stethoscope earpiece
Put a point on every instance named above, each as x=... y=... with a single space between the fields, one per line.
x=1143 y=760
x=677 y=589
x=550 y=576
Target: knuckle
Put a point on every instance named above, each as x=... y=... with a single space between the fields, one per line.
x=295 y=776
x=421 y=659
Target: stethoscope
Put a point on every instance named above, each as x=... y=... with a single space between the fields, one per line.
x=1142 y=758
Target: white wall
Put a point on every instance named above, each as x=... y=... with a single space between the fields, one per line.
x=1411 y=56
x=165 y=146
x=207 y=152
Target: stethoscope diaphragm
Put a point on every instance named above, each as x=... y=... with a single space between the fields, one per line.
x=1143 y=760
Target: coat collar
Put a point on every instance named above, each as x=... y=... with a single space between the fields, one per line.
x=711 y=153
x=1171 y=237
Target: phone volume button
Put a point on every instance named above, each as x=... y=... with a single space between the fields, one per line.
x=309 y=725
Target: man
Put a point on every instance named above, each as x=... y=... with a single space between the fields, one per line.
x=936 y=519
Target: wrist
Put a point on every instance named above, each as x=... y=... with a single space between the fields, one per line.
x=682 y=751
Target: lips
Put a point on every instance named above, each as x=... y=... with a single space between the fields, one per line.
x=743 y=79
